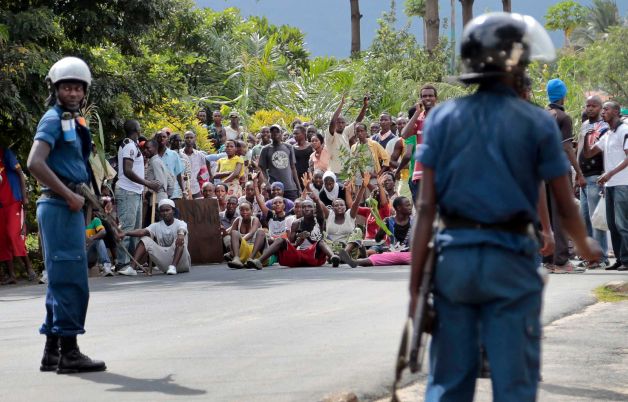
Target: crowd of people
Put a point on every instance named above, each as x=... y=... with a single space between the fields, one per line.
x=280 y=198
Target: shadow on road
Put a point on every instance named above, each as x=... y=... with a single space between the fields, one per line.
x=164 y=385
x=593 y=393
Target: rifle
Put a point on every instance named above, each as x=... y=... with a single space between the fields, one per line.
x=417 y=329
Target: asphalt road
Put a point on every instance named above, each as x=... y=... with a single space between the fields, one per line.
x=225 y=335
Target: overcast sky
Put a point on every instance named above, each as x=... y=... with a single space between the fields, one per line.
x=327 y=23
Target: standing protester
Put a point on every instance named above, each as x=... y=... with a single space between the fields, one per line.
x=340 y=135
x=615 y=180
x=193 y=160
x=13 y=199
x=172 y=162
x=556 y=92
x=376 y=155
x=230 y=169
x=234 y=131
x=129 y=189
x=277 y=162
x=216 y=129
x=59 y=161
x=319 y=159
x=593 y=128
x=302 y=151
x=385 y=135
x=487 y=289
x=264 y=140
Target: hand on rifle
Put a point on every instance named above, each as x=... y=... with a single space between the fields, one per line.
x=75 y=202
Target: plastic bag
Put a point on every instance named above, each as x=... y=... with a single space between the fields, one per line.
x=598 y=219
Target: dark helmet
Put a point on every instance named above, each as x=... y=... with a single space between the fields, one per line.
x=495 y=44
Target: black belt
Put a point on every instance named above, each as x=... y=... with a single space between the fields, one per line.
x=48 y=193
x=457 y=222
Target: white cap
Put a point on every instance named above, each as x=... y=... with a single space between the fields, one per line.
x=166 y=201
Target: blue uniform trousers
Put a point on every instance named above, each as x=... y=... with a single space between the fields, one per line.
x=63 y=243
x=491 y=296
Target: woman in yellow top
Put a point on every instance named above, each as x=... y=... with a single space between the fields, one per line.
x=230 y=169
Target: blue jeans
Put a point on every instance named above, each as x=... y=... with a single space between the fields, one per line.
x=97 y=251
x=617 y=219
x=589 y=197
x=129 y=205
x=486 y=296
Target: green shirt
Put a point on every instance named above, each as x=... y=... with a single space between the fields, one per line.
x=94 y=227
x=411 y=142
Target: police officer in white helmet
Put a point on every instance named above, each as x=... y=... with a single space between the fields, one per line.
x=59 y=161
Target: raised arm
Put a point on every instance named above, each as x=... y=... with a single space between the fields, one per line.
x=259 y=198
x=383 y=195
x=365 y=105
x=332 y=123
x=319 y=204
x=366 y=177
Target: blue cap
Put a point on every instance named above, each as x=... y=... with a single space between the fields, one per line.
x=556 y=90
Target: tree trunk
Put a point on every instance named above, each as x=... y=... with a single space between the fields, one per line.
x=432 y=22
x=507 y=6
x=452 y=23
x=355 y=27
x=467 y=11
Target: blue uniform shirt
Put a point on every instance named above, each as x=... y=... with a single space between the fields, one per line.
x=11 y=164
x=490 y=151
x=68 y=160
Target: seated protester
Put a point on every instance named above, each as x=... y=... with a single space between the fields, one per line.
x=340 y=220
x=249 y=196
x=276 y=190
x=305 y=247
x=275 y=218
x=230 y=169
x=96 y=249
x=384 y=211
x=296 y=213
x=208 y=190
x=166 y=242
x=331 y=190
x=244 y=233
x=399 y=240
x=110 y=236
x=221 y=193
x=316 y=181
x=227 y=217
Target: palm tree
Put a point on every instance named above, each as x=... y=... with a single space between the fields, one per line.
x=432 y=23
x=416 y=8
x=601 y=15
x=467 y=11
x=355 y=26
x=507 y=6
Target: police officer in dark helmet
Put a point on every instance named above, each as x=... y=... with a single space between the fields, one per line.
x=59 y=161
x=485 y=157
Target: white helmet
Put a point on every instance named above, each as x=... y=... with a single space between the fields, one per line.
x=70 y=69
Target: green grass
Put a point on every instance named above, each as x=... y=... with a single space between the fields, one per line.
x=606 y=295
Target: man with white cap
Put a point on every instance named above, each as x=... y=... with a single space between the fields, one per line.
x=166 y=242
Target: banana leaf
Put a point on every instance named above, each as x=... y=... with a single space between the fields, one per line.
x=372 y=203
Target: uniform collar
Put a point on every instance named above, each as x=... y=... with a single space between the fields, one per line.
x=499 y=88
x=556 y=106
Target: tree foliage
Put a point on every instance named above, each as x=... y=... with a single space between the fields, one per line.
x=565 y=16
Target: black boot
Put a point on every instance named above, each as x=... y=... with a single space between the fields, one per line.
x=50 y=361
x=73 y=361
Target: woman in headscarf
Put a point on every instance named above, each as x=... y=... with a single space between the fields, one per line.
x=276 y=190
x=331 y=189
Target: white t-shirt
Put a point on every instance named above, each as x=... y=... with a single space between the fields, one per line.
x=231 y=134
x=390 y=147
x=333 y=143
x=193 y=164
x=130 y=150
x=613 y=145
x=166 y=235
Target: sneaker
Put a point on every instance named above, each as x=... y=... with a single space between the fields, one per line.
x=584 y=264
x=549 y=268
x=127 y=271
x=172 y=270
x=335 y=261
x=107 y=270
x=613 y=267
x=598 y=265
x=43 y=280
x=568 y=268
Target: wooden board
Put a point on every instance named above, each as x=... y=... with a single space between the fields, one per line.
x=204 y=239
